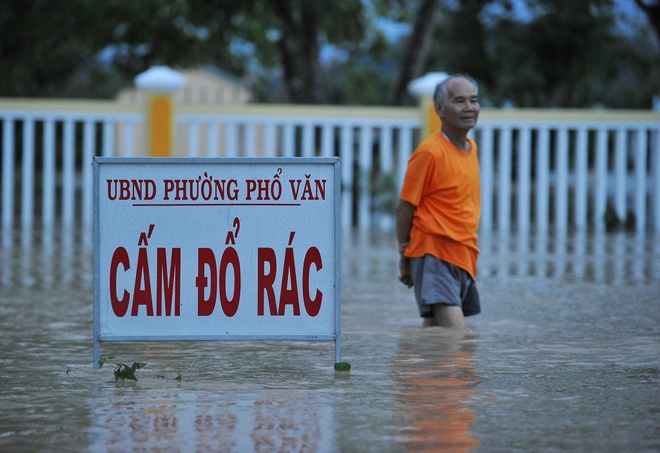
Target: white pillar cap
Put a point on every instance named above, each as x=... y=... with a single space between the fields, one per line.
x=160 y=78
x=426 y=84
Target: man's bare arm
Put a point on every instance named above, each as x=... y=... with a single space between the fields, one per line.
x=404 y=220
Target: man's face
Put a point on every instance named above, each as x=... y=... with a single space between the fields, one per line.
x=461 y=109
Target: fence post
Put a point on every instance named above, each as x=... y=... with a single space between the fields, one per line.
x=161 y=83
x=8 y=165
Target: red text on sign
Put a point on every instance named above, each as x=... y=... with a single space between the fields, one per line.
x=131 y=189
x=168 y=283
x=289 y=289
x=216 y=282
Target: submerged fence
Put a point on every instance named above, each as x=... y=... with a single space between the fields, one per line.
x=540 y=169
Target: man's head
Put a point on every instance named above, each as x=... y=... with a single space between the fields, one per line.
x=456 y=101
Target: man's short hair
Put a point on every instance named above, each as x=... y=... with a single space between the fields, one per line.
x=440 y=92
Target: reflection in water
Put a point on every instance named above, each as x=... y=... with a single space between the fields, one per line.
x=570 y=325
x=41 y=259
x=172 y=422
x=619 y=258
x=210 y=416
x=286 y=421
x=139 y=426
x=598 y=257
x=434 y=371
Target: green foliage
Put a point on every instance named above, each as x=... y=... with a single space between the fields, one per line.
x=614 y=223
x=385 y=192
x=560 y=53
x=79 y=47
x=122 y=370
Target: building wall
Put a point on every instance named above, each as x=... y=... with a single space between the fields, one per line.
x=203 y=87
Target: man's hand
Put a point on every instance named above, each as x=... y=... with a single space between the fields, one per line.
x=404 y=271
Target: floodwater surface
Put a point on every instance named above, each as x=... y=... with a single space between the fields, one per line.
x=564 y=357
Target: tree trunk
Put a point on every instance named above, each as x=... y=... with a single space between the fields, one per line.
x=419 y=46
x=299 y=47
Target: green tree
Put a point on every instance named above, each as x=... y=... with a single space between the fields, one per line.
x=289 y=35
x=461 y=40
x=562 y=53
x=89 y=48
x=40 y=42
x=417 y=49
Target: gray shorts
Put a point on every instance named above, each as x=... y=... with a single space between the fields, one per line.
x=438 y=282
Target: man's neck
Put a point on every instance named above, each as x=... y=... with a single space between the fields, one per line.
x=458 y=139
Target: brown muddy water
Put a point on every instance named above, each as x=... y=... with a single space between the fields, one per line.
x=564 y=357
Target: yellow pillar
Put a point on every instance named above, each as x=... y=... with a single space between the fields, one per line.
x=431 y=120
x=423 y=88
x=161 y=128
x=161 y=83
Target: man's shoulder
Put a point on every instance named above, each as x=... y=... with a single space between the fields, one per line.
x=432 y=146
x=436 y=139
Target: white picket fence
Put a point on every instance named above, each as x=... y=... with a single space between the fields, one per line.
x=540 y=169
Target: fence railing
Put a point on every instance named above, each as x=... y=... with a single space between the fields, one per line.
x=540 y=169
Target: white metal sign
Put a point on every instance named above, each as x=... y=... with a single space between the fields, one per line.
x=216 y=249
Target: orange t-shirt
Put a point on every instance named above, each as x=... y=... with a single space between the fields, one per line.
x=442 y=182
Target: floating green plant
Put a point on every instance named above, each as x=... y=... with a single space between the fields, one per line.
x=122 y=370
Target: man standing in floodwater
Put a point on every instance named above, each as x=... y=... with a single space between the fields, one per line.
x=437 y=216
